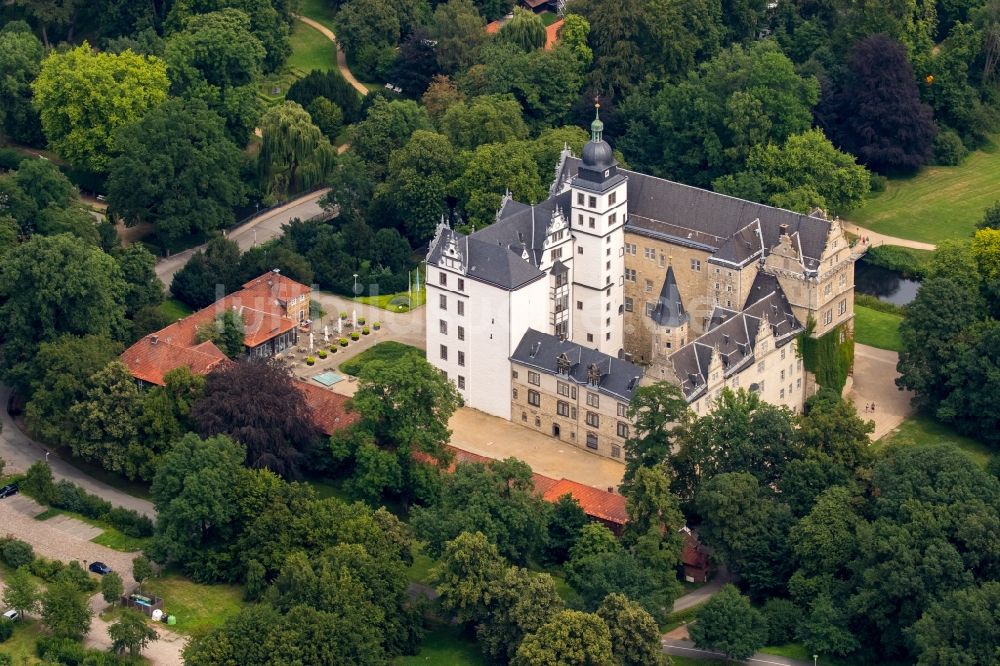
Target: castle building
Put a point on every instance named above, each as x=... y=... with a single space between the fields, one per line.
x=628 y=279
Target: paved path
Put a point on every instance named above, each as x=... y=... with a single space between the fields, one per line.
x=20 y=451
x=258 y=230
x=341 y=58
x=876 y=238
x=703 y=593
x=875 y=382
x=687 y=649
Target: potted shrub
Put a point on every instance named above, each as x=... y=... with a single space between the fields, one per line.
x=365 y=330
x=376 y=326
x=355 y=336
x=333 y=349
x=310 y=360
x=343 y=342
x=321 y=353
x=361 y=321
x=343 y=315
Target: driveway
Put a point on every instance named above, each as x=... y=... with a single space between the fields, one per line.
x=875 y=383
x=687 y=649
x=875 y=238
x=20 y=451
x=258 y=230
x=341 y=58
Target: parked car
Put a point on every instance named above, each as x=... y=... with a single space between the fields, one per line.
x=100 y=568
x=12 y=615
x=8 y=490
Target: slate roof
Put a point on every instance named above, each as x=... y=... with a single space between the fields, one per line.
x=733 y=335
x=542 y=351
x=491 y=262
x=523 y=225
x=708 y=220
x=669 y=310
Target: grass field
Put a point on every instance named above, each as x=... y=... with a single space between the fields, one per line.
x=310 y=49
x=317 y=10
x=173 y=309
x=198 y=608
x=420 y=570
x=445 y=646
x=20 y=647
x=936 y=204
x=923 y=431
x=383 y=351
x=395 y=302
x=877 y=329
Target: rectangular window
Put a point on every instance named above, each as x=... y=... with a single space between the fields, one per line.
x=579 y=250
x=623 y=430
x=579 y=305
x=628 y=304
x=696 y=265
x=461 y=284
x=828 y=317
x=443 y=326
x=562 y=388
x=443 y=279
x=612 y=198
x=622 y=409
x=460 y=306
x=579 y=198
x=461 y=382
x=562 y=408
x=592 y=440
x=616 y=452
x=828 y=288
x=514 y=393
x=842 y=308
x=781 y=394
x=760 y=367
x=649 y=286
x=843 y=279
x=649 y=253
x=461 y=332
x=461 y=358
x=591 y=222
x=593 y=420
x=524 y=416
x=534 y=398
x=782 y=375
x=444 y=353
x=663 y=261
x=612 y=219
x=590 y=337
x=798 y=383
x=593 y=399
x=630 y=274
x=592 y=202
x=534 y=378
x=513 y=374
x=631 y=248
x=649 y=309
x=556 y=253
x=782 y=353
x=443 y=302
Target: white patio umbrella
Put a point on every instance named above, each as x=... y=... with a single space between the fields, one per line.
x=326 y=333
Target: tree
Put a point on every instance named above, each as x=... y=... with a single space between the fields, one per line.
x=387 y=127
x=65 y=611
x=467 y=570
x=823 y=630
x=991 y=217
x=131 y=632
x=227 y=332
x=112 y=587
x=498 y=500
x=330 y=85
x=177 y=169
x=564 y=528
x=878 y=115
x=45 y=184
x=571 y=638
x=525 y=30
x=51 y=286
x=573 y=37
x=208 y=275
x=520 y=602
x=619 y=61
x=460 y=32
x=441 y=93
x=653 y=412
x=728 y=623
x=327 y=116
x=364 y=23
x=51 y=13
x=831 y=425
x=806 y=172
x=20 y=61
x=635 y=636
x=485 y=119
x=256 y=403
x=493 y=169
x=270 y=23
x=294 y=154
x=82 y=97
x=142 y=570
x=20 y=592
x=962 y=627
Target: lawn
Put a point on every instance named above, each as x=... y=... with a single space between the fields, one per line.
x=310 y=49
x=173 y=309
x=420 y=570
x=111 y=537
x=317 y=10
x=445 y=646
x=922 y=431
x=395 y=302
x=937 y=203
x=384 y=351
x=20 y=647
x=198 y=608
x=877 y=329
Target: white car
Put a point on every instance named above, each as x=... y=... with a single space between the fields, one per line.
x=12 y=615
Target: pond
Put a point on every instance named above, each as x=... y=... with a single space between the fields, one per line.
x=884 y=283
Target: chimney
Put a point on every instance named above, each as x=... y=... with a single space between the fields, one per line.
x=276 y=271
x=783 y=229
x=611 y=489
x=153 y=339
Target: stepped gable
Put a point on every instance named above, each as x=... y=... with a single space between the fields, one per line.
x=693 y=217
x=554 y=356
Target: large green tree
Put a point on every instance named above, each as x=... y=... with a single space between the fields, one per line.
x=130 y=632
x=963 y=627
x=177 y=169
x=470 y=566
x=460 y=32
x=82 y=97
x=387 y=127
x=65 y=611
x=51 y=286
x=486 y=119
x=20 y=61
x=728 y=623
x=653 y=411
x=635 y=636
x=493 y=169
x=294 y=154
x=525 y=30
x=270 y=22
x=20 y=591
x=571 y=638
x=519 y=604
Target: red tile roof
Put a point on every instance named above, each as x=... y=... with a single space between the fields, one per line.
x=492 y=27
x=329 y=409
x=693 y=553
x=151 y=358
x=552 y=34
x=259 y=305
x=596 y=503
x=543 y=483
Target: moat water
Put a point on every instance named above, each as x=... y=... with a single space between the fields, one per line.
x=883 y=283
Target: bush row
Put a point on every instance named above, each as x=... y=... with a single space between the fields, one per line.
x=70 y=653
x=875 y=303
x=16 y=554
x=909 y=263
x=68 y=496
